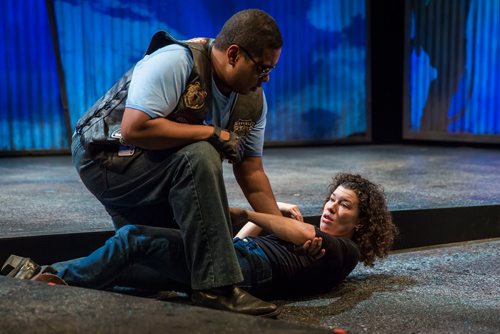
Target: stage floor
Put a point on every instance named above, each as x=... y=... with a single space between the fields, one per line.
x=452 y=289
x=43 y=195
x=445 y=289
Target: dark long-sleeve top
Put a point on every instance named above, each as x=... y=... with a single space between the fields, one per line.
x=299 y=273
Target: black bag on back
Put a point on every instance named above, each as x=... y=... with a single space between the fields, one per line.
x=99 y=128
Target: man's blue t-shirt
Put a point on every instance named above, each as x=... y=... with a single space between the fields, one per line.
x=159 y=80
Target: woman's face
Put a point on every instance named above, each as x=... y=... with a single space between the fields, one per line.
x=340 y=213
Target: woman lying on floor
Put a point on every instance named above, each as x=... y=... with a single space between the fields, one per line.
x=355 y=226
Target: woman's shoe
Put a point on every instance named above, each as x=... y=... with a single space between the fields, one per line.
x=25 y=268
x=20 y=267
x=48 y=278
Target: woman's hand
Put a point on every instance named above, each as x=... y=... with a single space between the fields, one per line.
x=290 y=211
x=312 y=248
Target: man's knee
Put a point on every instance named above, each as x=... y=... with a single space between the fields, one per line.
x=203 y=154
x=202 y=148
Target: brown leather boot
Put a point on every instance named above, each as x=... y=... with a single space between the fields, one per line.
x=236 y=300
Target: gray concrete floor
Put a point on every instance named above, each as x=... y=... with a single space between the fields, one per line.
x=43 y=195
x=447 y=289
x=31 y=307
x=439 y=290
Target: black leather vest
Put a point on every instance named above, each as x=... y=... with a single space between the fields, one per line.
x=99 y=128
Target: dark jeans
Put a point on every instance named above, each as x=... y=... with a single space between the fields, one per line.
x=255 y=265
x=179 y=189
x=154 y=258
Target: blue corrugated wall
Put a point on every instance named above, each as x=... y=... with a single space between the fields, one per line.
x=317 y=92
x=31 y=114
x=454 y=68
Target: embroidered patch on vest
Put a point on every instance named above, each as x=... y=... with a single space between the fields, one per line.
x=243 y=126
x=195 y=96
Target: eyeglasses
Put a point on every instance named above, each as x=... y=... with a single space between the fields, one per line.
x=262 y=70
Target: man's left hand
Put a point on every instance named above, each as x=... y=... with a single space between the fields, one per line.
x=229 y=144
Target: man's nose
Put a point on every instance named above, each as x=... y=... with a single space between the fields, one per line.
x=265 y=79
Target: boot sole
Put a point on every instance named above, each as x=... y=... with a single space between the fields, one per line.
x=272 y=315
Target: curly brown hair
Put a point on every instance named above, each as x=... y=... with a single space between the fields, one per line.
x=376 y=231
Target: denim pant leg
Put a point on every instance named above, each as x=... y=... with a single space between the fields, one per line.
x=160 y=251
x=184 y=186
x=199 y=202
x=255 y=265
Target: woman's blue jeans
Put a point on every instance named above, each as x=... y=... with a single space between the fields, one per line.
x=154 y=258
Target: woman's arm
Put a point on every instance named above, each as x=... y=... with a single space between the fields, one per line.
x=287 y=229
x=253 y=230
x=290 y=210
x=255 y=185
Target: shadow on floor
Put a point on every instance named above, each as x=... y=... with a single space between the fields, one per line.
x=343 y=298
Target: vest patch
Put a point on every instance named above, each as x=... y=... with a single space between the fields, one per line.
x=243 y=126
x=195 y=96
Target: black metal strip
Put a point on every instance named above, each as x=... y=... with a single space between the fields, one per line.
x=60 y=69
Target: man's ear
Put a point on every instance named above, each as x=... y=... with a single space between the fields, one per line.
x=232 y=53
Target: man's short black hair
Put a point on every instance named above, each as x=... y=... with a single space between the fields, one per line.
x=253 y=29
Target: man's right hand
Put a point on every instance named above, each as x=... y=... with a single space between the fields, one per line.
x=238 y=216
x=231 y=148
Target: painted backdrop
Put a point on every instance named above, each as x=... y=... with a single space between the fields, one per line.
x=317 y=92
x=454 y=69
